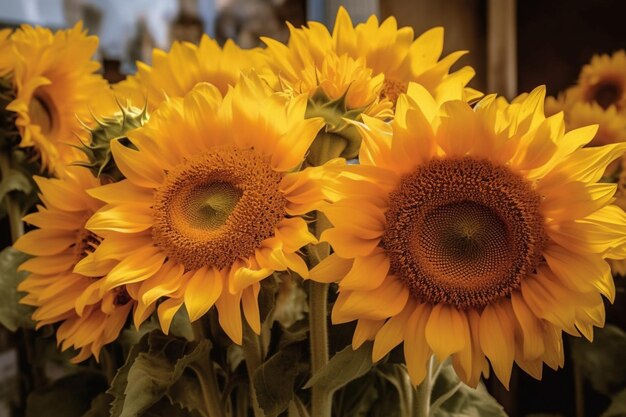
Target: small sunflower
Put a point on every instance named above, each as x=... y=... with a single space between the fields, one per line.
x=603 y=81
x=209 y=206
x=578 y=113
x=6 y=53
x=472 y=233
x=57 y=245
x=55 y=85
x=175 y=73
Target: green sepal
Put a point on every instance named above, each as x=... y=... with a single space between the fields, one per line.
x=338 y=138
x=116 y=127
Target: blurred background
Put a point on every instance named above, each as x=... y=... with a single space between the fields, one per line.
x=514 y=46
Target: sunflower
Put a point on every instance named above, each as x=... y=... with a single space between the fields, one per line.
x=175 y=73
x=6 y=53
x=393 y=56
x=57 y=245
x=473 y=234
x=55 y=86
x=209 y=207
x=578 y=113
x=603 y=81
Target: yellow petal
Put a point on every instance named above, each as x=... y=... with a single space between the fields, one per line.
x=497 y=341
x=203 y=289
x=141 y=170
x=250 y=304
x=127 y=218
x=385 y=301
x=416 y=351
x=447 y=331
x=45 y=242
x=229 y=315
x=138 y=266
x=365 y=330
x=166 y=311
x=331 y=269
x=367 y=273
x=392 y=332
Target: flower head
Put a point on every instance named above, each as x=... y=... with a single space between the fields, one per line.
x=175 y=73
x=55 y=86
x=472 y=233
x=57 y=245
x=209 y=205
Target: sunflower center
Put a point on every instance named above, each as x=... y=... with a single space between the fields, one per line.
x=463 y=232
x=40 y=112
x=217 y=207
x=393 y=88
x=607 y=94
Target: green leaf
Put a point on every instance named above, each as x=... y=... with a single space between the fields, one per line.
x=15 y=181
x=345 y=366
x=618 y=406
x=601 y=362
x=466 y=401
x=100 y=406
x=152 y=369
x=186 y=392
x=13 y=315
x=70 y=396
x=274 y=380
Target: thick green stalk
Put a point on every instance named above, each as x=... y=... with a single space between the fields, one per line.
x=211 y=394
x=253 y=354
x=321 y=399
x=14 y=212
x=424 y=391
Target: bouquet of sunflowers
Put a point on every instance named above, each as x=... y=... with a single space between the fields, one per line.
x=336 y=226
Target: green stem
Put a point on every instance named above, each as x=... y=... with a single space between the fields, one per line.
x=579 y=391
x=253 y=353
x=14 y=212
x=211 y=394
x=445 y=397
x=424 y=390
x=321 y=399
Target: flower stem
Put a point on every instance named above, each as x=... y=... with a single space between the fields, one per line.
x=321 y=399
x=205 y=372
x=14 y=212
x=253 y=354
x=424 y=390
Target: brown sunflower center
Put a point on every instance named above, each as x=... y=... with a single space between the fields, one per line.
x=393 y=88
x=41 y=113
x=463 y=232
x=606 y=94
x=217 y=207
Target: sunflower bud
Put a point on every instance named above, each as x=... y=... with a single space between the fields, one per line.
x=338 y=138
x=98 y=149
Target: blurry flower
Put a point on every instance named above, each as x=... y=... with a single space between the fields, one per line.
x=208 y=207
x=175 y=73
x=57 y=245
x=55 y=85
x=472 y=233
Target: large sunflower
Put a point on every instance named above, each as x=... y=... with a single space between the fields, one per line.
x=88 y=320
x=175 y=73
x=55 y=86
x=209 y=207
x=473 y=233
